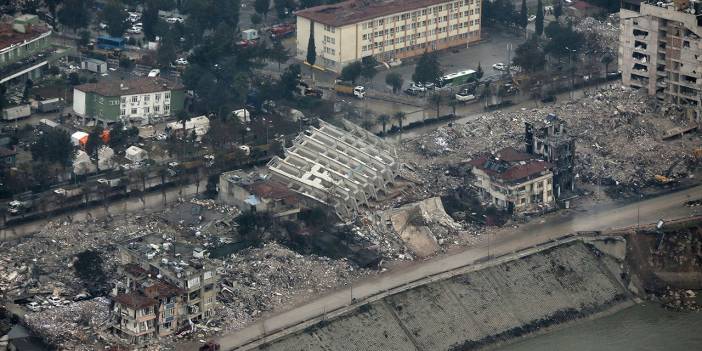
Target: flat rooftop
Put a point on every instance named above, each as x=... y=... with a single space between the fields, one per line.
x=167 y=254
x=143 y=85
x=354 y=11
x=9 y=37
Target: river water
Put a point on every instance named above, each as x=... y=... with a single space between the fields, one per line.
x=644 y=327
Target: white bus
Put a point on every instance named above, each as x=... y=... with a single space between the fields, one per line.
x=458 y=78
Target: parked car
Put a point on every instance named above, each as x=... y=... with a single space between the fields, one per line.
x=134 y=30
x=55 y=300
x=465 y=96
x=499 y=66
x=154 y=72
x=413 y=91
x=174 y=19
x=418 y=86
x=532 y=18
x=181 y=61
x=34 y=306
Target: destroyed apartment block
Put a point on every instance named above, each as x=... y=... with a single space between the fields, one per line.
x=256 y=191
x=513 y=180
x=343 y=169
x=167 y=287
x=548 y=138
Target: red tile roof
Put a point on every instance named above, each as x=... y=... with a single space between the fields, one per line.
x=9 y=36
x=353 y=11
x=142 y=85
x=135 y=300
x=510 y=165
x=162 y=289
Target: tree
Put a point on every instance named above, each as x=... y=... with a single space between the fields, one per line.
x=53 y=146
x=394 y=80
x=283 y=7
x=499 y=11
x=52 y=5
x=558 y=9
x=563 y=40
x=115 y=17
x=289 y=80
x=150 y=20
x=539 y=24
x=84 y=38
x=166 y=53
x=427 y=68
x=351 y=72
x=384 y=119
x=367 y=124
x=74 y=14
x=368 y=70
x=182 y=117
x=89 y=268
x=453 y=103
x=606 y=60
x=28 y=84
x=256 y=19
x=278 y=53
x=436 y=99
x=479 y=71
x=523 y=16
x=311 y=50
x=94 y=142
x=400 y=117
x=262 y=7
x=529 y=56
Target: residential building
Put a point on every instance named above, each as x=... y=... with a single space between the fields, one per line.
x=548 y=138
x=342 y=169
x=584 y=9
x=513 y=180
x=660 y=49
x=25 y=45
x=255 y=191
x=167 y=286
x=134 y=100
x=387 y=29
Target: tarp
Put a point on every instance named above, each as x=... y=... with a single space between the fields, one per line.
x=79 y=138
x=136 y=154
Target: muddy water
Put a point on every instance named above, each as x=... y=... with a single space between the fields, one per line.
x=645 y=327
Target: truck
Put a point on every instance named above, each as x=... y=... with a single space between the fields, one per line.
x=68 y=193
x=49 y=105
x=249 y=34
x=16 y=112
x=347 y=88
x=283 y=30
x=465 y=96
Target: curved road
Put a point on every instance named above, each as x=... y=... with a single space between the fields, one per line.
x=507 y=240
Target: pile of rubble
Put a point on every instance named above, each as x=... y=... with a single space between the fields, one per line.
x=618 y=134
x=72 y=327
x=603 y=34
x=680 y=300
x=257 y=280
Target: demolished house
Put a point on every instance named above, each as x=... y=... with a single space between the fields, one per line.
x=548 y=138
x=167 y=286
x=339 y=168
x=255 y=191
x=513 y=180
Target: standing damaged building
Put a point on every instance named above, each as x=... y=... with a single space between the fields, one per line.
x=513 y=180
x=549 y=139
x=166 y=288
x=660 y=49
x=339 y=168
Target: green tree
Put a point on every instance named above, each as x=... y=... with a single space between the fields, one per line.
x=53 y=146
x=74 y=14
x=115 y=17
x=436 y=99
x=262 y=7
x=523 y=15
x=368 y=69
x=400 y=118
x=563 y=40
x=351 y=72
x=558 y=9
x=150 y=20
x=479 y=71
x=427 y=69
x=94 y=142
x=166 y=53
x=529 y=56
x=539 y=24
x=256 y=19
x=289 y=80
x=278 y=53
x=52 y=5
x=28 y=84
x=384 y=119
x=84 y=38
x=394 y=80
x=311 y=49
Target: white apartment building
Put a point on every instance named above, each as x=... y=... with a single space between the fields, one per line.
x=660 y=49
x=392 y=29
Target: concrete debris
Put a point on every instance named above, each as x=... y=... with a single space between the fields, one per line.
x=71 y=327
x=618 y=132
x=602 y=34
x=257 y=280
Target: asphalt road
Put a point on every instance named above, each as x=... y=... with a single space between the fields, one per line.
x=598 y=217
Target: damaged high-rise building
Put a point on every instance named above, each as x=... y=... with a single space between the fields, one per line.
x=343 y=169
x=660 y=49
x=549 y=139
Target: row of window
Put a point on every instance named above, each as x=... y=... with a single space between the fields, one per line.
x=146 y=110
x=428 y=33
x=329 y=40
x=147 y=97
x=329 y=51
x=329 y=28
x=401 y=28
x=412 y=42
x=424 y=12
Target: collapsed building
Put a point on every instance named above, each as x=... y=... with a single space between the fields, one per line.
x=513 y=180
x=548 y=138
x=167 y=286
x=342 y=169
x=255 y=191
